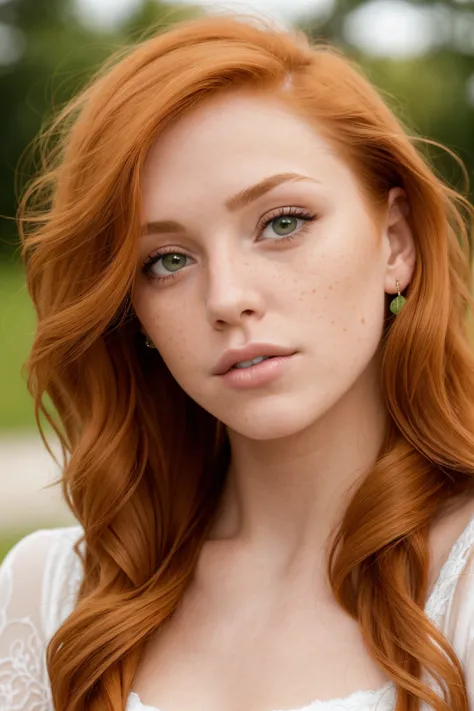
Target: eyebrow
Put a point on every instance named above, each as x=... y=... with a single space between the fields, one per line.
x=236 y=202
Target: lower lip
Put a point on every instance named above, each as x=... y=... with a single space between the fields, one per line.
x=256 y=375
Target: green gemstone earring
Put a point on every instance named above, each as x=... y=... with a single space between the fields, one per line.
x=397 y=303
x=148 y=343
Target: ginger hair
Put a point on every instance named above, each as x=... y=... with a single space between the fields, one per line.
x=144 y=465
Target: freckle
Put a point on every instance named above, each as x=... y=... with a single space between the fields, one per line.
x=332 y=323
x=362 y=320
x=330 y=286
x=344 y=329
x=313 y=291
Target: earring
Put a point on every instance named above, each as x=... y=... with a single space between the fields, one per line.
x=397 y=303
x=148 y=343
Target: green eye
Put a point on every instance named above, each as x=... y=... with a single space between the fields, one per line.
x=173 y=262
x=163 y=266
x=286 y=224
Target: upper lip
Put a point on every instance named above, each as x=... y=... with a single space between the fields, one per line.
x=252 y=350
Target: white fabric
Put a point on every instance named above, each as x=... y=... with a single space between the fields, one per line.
x=41 y=574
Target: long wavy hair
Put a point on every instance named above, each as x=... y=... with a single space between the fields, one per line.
x=144 y=465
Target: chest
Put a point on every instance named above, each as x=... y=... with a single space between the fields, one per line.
x=255 y=653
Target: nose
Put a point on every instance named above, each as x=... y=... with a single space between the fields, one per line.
x=233 y=291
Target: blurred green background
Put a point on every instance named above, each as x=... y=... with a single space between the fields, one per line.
x=419 y=53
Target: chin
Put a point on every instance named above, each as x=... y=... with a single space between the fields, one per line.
x=267 y=423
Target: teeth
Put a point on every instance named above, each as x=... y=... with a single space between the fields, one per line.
x=249 y=363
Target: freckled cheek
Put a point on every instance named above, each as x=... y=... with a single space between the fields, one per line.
x=340 y=289
x=173 y=331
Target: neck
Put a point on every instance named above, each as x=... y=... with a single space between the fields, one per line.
x=284 y=497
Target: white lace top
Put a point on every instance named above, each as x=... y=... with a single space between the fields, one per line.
x=41 y=574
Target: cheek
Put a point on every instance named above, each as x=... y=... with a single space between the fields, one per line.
x=162 y=319
x=171 y=334
x=341 y=292
x=175 y=331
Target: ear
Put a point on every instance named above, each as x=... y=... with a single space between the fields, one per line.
x=400 y=245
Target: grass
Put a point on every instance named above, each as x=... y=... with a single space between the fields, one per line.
x=17 y=325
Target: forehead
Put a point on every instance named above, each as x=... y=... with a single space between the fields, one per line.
x=237 y=125
x=228 y=143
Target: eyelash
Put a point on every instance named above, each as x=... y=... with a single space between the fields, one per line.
x=308 y=217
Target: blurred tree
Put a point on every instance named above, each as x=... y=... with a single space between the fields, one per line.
x=46 y=55
x=432 y=92
x=151 y=16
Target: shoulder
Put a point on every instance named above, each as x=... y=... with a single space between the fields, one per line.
x=37 y=582
x=41 y=573
x=455 y=593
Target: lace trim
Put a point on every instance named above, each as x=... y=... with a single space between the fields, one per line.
x=437 y=605
x=441 y=598
x=363 y=699
x=24 y=679
x=24 y=682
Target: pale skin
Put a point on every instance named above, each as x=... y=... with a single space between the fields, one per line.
x=258 y=628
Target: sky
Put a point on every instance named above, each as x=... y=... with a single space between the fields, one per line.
x=382 y=27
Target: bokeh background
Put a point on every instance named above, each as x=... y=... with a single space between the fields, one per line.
x=419 y=53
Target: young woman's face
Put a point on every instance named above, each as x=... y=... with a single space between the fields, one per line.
x=291 y=267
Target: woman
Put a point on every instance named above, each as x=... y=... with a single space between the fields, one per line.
x=252 y=295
